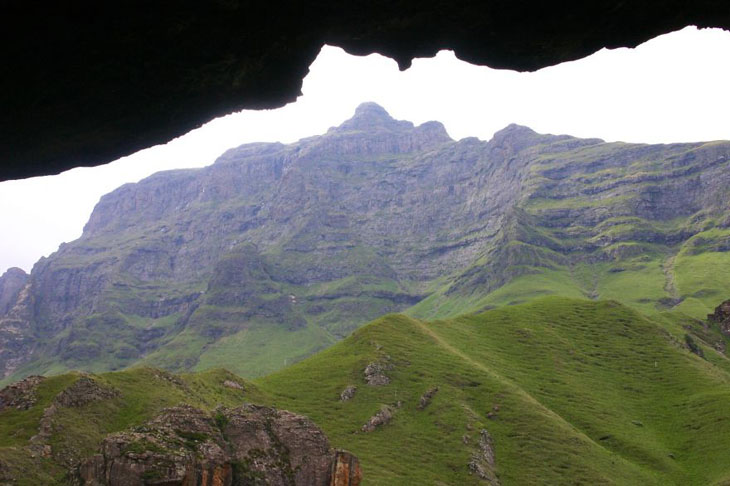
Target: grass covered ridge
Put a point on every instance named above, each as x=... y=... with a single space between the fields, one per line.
x=590 y=392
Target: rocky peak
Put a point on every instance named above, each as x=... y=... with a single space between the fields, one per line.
x=513 y=133
x=434 y=130
x=372 y=131
x=369 y=116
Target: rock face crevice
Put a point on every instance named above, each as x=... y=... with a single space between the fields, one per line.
x=246 y=445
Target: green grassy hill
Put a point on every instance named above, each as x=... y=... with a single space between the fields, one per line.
x=587 y=393
x=571 y=392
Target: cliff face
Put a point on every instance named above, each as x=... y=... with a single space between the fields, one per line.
x=11 y=284
x=16 y=333
x=276 y=250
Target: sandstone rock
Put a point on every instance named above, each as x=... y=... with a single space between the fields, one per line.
x=348 y=393
x=246 y=445
x=345 y=470
x=20 y=395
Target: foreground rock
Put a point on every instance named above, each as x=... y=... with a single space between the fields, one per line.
x=20 y=395
x=247 y=445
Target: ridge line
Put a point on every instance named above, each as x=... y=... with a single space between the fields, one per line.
x=519 y=390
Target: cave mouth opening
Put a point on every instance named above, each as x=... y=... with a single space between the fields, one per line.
x=669 y=89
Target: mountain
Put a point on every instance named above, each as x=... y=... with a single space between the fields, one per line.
x=277 y=251
x=553 y=391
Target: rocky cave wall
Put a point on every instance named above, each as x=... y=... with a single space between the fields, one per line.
x=85 y=82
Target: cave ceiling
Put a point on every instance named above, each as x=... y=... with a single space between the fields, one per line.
x=86 y=82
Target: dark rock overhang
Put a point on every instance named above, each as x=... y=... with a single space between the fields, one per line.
x=85 y=82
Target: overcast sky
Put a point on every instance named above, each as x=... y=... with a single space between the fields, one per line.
x=671 y=89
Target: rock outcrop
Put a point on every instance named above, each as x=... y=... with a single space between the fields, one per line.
x=426 y=398
x=348 y=393
x=246 y=445
x=483 y=461
x=20 y=395
x=83 y=391
x=721 y=317
x=375 y=373
x=382 y=417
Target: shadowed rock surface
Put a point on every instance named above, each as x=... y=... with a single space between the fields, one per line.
x=87 y=82
x=247 y=445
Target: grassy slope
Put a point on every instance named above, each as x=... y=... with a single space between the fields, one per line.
x=590 y=391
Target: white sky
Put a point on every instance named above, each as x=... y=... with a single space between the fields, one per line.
x=671 y=89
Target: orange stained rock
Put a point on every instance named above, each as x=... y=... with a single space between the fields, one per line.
x=345 y=470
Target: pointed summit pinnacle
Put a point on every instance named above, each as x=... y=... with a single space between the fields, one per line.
x=373 y=130
x=371 y=109
x=371 y=115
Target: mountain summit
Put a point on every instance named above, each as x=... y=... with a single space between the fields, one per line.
x=276 y=251
x=382 y=133
x=370 y=116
